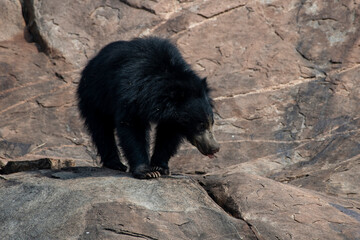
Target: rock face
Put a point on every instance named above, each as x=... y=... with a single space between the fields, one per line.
x=285 y=83
x=11 y=22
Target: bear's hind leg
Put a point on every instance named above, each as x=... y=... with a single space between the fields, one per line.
x=166 y=144
x=101 y=129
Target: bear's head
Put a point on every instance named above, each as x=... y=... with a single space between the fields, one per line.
x=194 y=115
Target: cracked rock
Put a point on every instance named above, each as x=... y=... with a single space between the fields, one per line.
x=279 y=211
x=94 y=203
x=285 y=80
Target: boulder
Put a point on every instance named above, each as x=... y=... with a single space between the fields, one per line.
x=279 y=211
x=95 y=203
x=76 y=30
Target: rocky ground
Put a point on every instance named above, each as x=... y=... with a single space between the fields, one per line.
x=285 y=79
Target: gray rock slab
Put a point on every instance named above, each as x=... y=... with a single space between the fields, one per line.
x=95 y=203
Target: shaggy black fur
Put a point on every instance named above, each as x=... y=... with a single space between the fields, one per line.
x=131 y=84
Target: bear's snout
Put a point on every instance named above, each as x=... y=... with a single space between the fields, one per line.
x=206 y=143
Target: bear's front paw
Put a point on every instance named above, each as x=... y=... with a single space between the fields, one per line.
x=145 y=172
x=161 y=170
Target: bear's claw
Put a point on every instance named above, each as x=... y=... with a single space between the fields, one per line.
x=145 y=172
x=161 y=170
x=155 y=174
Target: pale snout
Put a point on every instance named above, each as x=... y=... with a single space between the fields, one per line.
x=206 y=143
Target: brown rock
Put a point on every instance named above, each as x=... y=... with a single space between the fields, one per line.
x=275 y=107
x=38 y=106
x=12 y=23
x=77 y=30
x=209 y=9
x=31 y=165
x=162 y=8
x=327 y=23
x=279 y=211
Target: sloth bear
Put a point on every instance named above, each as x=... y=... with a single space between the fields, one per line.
x=131 y=84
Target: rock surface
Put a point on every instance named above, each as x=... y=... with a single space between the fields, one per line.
x=278 y=211
x=94 y=203
x=31 y=165
x=286 y=91
x=11 y=22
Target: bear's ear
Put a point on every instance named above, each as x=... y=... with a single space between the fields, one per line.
x=204 y=81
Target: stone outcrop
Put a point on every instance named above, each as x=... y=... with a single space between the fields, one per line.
x=95 y=203
x=280 y=211
x=285 y=83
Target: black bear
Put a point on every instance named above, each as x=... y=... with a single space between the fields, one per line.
x=131 y=84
